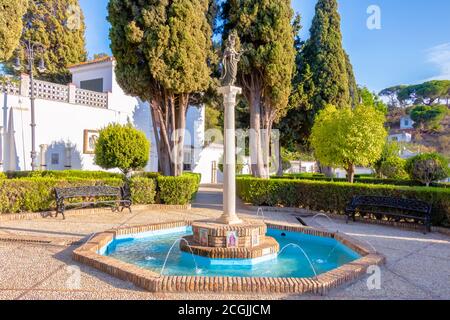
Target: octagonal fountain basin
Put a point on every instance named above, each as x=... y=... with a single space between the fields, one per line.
x=301 y=255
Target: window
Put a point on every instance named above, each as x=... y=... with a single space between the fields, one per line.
x=187 y=166
x=55 y=158
x=406 y=123
x=92 y=85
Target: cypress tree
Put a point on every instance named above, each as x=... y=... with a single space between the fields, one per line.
x=162 y=49
x=59 y=26
x=324 y=53
x=11 y=12
x=325 y=76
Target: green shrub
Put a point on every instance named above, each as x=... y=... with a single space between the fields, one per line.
x=394 y=168
x=37 y=194
x=122 y=147
x=178 y=190
x=143 y=190
x=427 y=168
x=333 y=197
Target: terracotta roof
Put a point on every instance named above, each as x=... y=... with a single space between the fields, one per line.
x=99 y=60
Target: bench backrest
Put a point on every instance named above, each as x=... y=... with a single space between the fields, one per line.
x=88 y=191
x=390 y=202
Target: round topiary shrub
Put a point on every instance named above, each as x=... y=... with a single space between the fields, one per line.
x=394 y=168
x=122 y=147
x=428 y=167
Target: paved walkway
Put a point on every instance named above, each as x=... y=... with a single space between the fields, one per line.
x=418 y=266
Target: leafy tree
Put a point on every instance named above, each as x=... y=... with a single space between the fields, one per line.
x=428 y=116
x=372 y=100
x=427 y=168
x=122 y=147
x=392 y=94
x=11 y=12
x=59 y=26
x=162 y=50
x=391 y=149
x=212 y=118
x=394 y=168
x=348 y=137
x=428 y=93
x=267 y=34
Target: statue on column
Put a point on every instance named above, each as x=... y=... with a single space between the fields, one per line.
x=230 y=61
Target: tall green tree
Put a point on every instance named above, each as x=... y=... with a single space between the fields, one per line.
x=323 y=52
x=59 y=26
x=162 y=49
x=266 y=32
x=11 y=12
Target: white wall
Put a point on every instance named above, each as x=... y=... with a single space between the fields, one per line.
x=60 y=123
x=57 y=124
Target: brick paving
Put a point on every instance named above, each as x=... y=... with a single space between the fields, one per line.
x=418 y=265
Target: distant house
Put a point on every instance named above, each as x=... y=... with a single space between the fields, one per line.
x=401 y=137
x=406 y=123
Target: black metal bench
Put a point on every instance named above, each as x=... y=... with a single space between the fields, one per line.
x=394 y=209
x=117 y=197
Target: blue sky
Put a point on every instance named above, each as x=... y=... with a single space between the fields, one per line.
x=413 y=44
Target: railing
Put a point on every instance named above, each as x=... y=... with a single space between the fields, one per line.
x=50 y=91
x=55 y=92
x=9 y=88
x=91 y=98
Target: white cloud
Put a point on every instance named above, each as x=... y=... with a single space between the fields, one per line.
x=440 y=57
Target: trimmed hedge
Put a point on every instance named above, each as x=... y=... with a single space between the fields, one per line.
x=363 y=179
x=34 y=191
x=178 y=190
x=37 y=194
x=143 y=190
x=333 y=197
x=63 y=174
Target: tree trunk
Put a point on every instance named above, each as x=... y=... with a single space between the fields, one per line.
x=266 y=143
x=256 y=156
x=351 y=173
x=180 y=128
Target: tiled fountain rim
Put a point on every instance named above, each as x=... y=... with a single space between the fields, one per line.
x=151 y=281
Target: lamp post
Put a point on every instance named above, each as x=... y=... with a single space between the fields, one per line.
x=31 y=48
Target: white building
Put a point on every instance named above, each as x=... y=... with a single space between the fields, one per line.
x=401 y=137
x=406 y=123
x=68 y=119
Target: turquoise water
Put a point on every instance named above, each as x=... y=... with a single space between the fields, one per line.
x=150 y=252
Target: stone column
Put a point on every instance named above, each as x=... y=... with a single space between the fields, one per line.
x=43 y=155
x=68 y=156
x=229 y=159
x=72 y=93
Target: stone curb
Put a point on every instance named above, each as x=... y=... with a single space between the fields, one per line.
x=151 y=281
x=48 y=214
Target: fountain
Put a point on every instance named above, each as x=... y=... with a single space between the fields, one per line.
x=197 y=270
x=229 y=237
